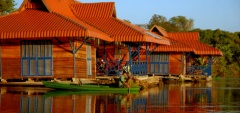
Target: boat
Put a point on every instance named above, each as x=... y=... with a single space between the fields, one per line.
x=54 y=93
x=65 y=86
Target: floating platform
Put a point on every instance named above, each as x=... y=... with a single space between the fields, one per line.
x=186 y=78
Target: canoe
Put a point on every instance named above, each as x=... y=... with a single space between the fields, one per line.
x=54 y=93
x=64 y=86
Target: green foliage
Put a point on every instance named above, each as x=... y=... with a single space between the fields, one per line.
x=174 y=24
x=228 y=43
x=163 y=22
x=182 y=23
x=6 y=6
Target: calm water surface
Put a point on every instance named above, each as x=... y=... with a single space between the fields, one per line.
x=222 y=95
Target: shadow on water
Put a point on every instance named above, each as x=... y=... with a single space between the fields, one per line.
x=221 y=95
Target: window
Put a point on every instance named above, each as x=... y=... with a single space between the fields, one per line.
x=159 y=63
x=35 y=104
x=36 y=58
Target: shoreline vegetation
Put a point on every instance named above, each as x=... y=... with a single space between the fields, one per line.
x=227 y=42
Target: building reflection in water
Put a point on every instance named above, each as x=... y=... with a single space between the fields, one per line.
x=168 y=98
x=176 y=98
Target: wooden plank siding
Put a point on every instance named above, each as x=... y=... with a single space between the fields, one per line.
x=11 y=62
x=62 y=58
x=175 y=64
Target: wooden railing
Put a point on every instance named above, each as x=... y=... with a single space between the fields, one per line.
x=198 y=70
x=117 y=67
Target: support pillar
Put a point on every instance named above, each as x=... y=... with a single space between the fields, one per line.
x=105 y=53
x=74 y=51
x=209 y=65
x=147 y=51
x=130 y=57
x=0 y=59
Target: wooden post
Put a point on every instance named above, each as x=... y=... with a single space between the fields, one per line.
x=184 y=64
x=0 y=59
x=209 y=65
x=147 y=51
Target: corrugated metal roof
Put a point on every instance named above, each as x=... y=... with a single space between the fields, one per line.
x=105 y=21
x=175 y=46
x=104 y=9
x=192 y=39
x=184 y=42
x=33 y=21
x=184 y=36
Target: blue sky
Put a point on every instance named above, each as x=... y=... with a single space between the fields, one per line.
x=207 y=14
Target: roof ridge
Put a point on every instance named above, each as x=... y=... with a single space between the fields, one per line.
x=124 y=23
x=75 y=14
x=70 y=20
x=95 y=2
x=160 y=29
x=107 y=7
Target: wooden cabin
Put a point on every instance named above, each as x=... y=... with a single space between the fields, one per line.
x=41 y=40
x=185 y=55
x=46 y=39
x=122 y=55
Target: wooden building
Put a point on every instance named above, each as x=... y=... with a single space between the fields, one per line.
x=68 y=39
x=41 y=40
x=124 y=53
x=185 y=55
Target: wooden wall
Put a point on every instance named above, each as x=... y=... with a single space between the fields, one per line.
x=11 y=62
x=175 y=64
x=62 y=59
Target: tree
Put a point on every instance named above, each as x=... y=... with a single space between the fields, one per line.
x=182 y=23
x=157 y=20
x=163 y=22
x=6 y=7
x=228 y=43
x=175 y=24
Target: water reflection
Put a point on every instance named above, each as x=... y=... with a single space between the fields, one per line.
x=217 y=96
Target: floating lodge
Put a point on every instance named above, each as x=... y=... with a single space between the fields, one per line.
x=70 y=40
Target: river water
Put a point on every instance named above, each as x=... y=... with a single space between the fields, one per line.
x=222 y=95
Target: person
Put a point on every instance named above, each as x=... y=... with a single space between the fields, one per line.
x=122 y=81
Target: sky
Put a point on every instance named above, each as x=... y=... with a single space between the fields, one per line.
x=207 y=14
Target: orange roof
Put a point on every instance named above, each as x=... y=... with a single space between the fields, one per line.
x=46 y=19
x=175 y=46
x=192 y=39
x=184 y=42
x=103 y=17
x=159 y=30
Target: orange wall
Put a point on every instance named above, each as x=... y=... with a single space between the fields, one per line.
x=175 y=63
x=62 y=59
x=10 y=103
